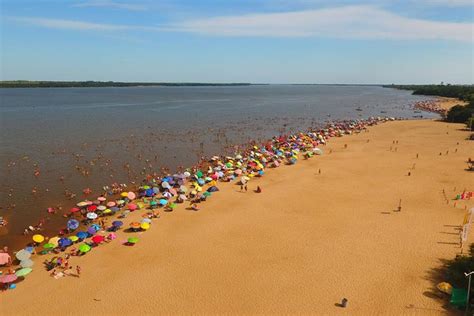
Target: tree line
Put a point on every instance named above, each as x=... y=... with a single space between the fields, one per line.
x=458 y=113
x=97 y=84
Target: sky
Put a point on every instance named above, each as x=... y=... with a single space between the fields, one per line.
x=255 y=41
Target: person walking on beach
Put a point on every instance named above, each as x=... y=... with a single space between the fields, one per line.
x=245 y=187
x=78 y=271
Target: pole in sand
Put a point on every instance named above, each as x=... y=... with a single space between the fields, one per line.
x=468 y=289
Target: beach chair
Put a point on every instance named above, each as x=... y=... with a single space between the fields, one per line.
x=458 y=297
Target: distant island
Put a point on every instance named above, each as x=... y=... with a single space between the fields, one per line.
x=97 y=84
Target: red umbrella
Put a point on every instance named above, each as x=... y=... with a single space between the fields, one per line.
x=132 y=207
x=75 y=209
x=8 y=278
x=98 y=239
x=92 y=208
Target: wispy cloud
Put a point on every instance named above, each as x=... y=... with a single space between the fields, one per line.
x=450 y=3
x=363 y=22
x=349 y=22
x=111 y=4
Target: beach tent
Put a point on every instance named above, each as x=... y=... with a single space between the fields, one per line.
x=458 y=297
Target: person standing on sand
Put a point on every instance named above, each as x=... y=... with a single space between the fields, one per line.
x=78 y=271
x=245 y=187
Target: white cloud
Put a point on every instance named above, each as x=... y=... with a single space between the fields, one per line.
x=364 y=22
x=450 y=3
x=69 y=24
x=349 y=22
x=111 y=4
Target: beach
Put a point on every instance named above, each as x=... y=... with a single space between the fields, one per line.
x=324 y=229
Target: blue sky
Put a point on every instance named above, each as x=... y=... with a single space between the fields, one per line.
x=259 y=41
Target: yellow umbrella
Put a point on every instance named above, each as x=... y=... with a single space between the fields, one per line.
x=124 y=194
x=145 y=226
x=54 y=240
x=107 y=211
x=73 y=238
x=445 y=287
x=38 y=238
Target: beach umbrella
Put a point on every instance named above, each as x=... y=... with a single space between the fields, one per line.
x=38 y=238
x=445 y=287
x=172 y=205
x=146 y=220
x=145 y=226
x=207 y=194
x=82 y=235
x=27 y=263
x=201 y=181
x=91 y=215
x=213 y=189
x=149 y=192
x=22 y=272
x=98 y=239
x=183 y=197
x=101 y=199
x=82 y=204
x=8 y=278
x=132 y=206
x=131 y=195
x=96 y=227
x=145 y=187
x=153 y=203
x=167 y=195
x=156 y=190
x=114 y=209
x=74 y=210
x=72 y=224
x=165 y=185
x=91 y=230
x=23 y=255
x=107 y=211
x=111 y=204
x=84 y=248
x=317 y=151
x=133 y=240
x=92 y=208
x=199 y=174
x=120 y=202
x=73 y=238
x=101 y=207
x=124 y=194
x=183 y=189
x=135 y=225
x=163 y=201
x=64 y=242
x=112 y=236
x=49 y=246
x=117 y=223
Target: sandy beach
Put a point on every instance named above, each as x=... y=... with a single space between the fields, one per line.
x=447 y=103
x=308 y=240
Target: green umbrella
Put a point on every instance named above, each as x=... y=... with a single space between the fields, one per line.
x=172 y=205
x=133 y=240
x=22 y=272
x=48 y=246
x=199 y=173
x=84 y=248
x=207 y=194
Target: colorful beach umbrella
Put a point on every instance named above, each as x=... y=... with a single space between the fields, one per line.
x=73 y=238
x=84 y=248
x=145 y=226
x=133 y=240
x=8 y=278
x=82 y=235
x=163 y=201
x=23 y=255
x=72 y=224
x=132 y=206
x=27 y=263
x=91 y=215
x=135 y=225
x=111 y=204
x=64 y=242
x=131 y=195
x=117 y=223
x=101 y=207
x=38 y=238
x=101 y=199
x=22 y=272
x=48 y=246
x=98 y=239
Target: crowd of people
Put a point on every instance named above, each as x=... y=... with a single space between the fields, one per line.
x=94 y=222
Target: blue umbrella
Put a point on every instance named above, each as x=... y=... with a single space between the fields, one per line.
x=64 y=242
x=117 y=223
x=72 y=224
x=149 y=192
x=163 y=201
x=114 y=209
x=156 y=190
x=82 y=235
x=201 y=181
x=91 y=230
x=96 y=227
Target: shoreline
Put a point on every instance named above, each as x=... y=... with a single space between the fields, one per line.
x=179 y=220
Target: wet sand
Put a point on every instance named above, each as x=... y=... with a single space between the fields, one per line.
x=299 y=247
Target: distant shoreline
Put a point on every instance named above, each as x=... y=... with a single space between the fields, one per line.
x=104 y=84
